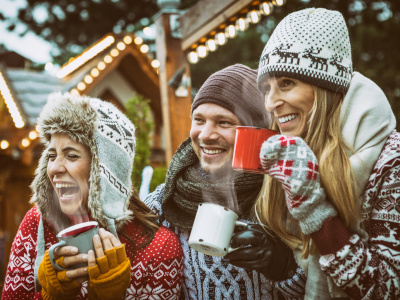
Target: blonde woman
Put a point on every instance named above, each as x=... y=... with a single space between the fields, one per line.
x=332 y=188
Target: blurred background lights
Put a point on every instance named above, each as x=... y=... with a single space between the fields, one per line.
x=10 y=103
x=95 y=72
x=4 y=144
x=25 y=142
x=266 y=8
x=202 y=51
x=138 y=40
x=144 y=48
x=230 y=31
x=48 y=66
x=101 y=65
x=148 y=31
x=114 y=52
x=74 y=92
x=89 y=54
x=220 y=38
x=155 y=63
x=88 y=79
x=33 y=135
x=121 y=46
x=81 y=86
x=242 y=24
x=278 y=2
x=107 y=59
x=193 y=58
x=254 y=16
x=127 y=39
x=211 y=45
x=242 y=21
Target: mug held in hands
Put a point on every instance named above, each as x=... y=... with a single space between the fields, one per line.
x=80 y=236
x=213 y=228
x=248 y=142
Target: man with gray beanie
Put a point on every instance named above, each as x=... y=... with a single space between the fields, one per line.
x=201 y=171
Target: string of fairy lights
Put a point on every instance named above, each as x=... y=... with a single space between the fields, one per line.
x=72 y=65
x=106 y=42
x=210 y=43
x=228 y=31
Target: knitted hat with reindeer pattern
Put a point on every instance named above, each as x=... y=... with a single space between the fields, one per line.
x=311 y=45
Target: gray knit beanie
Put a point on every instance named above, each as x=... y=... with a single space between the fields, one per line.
x=235 y=88
x=311 y=45
x=110 y=137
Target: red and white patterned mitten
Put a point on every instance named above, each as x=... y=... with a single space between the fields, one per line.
x=292 y=162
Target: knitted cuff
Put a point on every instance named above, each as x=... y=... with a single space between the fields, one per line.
x=55 y=285
x=111 y=276
x=332 y=237
x=313 y=212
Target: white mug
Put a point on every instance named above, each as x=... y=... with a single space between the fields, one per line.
x=213 y=228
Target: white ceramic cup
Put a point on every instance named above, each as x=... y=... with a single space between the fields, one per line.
x=80 y=236
x=213 y=228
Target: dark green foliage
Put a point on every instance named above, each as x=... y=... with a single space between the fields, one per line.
x=139 y=112
x=158 y=177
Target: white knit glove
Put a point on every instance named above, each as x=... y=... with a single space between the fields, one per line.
x=292 y=162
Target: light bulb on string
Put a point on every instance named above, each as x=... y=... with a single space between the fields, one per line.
x=230 y=31
x=192 y=57
x=202 y=51
x=266 y=8
x=211 y=45
x=254 y=16
x=242 y=24
x=278 y=2
x=220 y=38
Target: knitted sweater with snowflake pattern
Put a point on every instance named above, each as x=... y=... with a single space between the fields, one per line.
x=208 y=277
x=368 y=269
x=156 y=270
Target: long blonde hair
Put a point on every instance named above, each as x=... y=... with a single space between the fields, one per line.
x=323 y=136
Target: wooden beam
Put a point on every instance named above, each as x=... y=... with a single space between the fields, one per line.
x=206 y=16
x=175 y=110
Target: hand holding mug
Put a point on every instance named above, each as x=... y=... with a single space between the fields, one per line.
x=293 y=163
x=109 y=274
x=62 y=284
x=78 y=237
x=264 y=253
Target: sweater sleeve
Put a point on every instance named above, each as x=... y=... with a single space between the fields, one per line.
x=368 y=270
x=153 y=200
x=19 y=281
x=164 y=272
x=293 y=287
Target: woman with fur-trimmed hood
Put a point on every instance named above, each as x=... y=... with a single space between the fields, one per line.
x=84 y=174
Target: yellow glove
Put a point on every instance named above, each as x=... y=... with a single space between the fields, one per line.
x=110 y=277
x=55 y=284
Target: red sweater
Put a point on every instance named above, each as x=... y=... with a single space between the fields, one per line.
x=156 y=270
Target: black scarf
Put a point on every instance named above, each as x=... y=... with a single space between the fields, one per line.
x=186 y=187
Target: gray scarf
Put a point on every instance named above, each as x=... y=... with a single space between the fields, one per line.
x=186 y=186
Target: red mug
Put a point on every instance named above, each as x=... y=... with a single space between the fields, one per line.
x=248 y=142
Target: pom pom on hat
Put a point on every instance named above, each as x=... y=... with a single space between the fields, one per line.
x=311 y=45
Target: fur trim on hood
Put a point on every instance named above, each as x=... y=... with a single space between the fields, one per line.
x=110 y=137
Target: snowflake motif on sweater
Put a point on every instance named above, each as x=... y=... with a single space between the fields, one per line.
x=371 y=270
x=156 y=270
x=206 y=277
